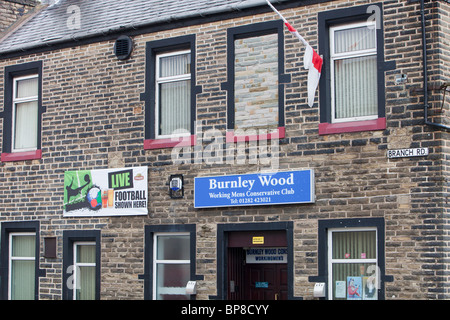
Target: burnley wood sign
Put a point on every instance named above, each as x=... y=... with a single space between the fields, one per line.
x=254 y=189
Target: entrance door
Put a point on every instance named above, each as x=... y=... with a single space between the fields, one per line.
x=256 y=279
x=266 y=282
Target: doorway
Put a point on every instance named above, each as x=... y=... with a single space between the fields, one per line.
x=257 y=271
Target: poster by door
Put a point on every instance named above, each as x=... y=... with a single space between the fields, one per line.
x=106 y=192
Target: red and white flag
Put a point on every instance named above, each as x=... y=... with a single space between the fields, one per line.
x=311 y=60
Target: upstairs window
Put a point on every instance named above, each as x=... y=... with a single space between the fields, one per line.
x=354 y=72
x=25 y=113
x=170 y=93
x=22 y=112
x=173 y=94
x=352 y=89
x=256 y=80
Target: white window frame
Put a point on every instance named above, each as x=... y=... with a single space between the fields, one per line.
x=161 y=261
x=80 y=264
x=332 y=261
x=347 y=55
x=15 y=102
x=160 y=80
x=11 y=258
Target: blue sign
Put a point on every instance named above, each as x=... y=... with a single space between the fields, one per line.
x=254 y=189
x=261 y=284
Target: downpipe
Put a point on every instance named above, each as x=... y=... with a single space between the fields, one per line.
x=425 y=71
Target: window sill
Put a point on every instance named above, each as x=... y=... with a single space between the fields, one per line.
x=21 y=156
x=279 y=134
x=357 y=126
x=187 y=141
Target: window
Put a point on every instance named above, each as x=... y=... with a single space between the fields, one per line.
x=255 y=82
x=22 y=266
x=170 y=93
x=351 y=258
x=353 y=72
x=352 y=42
x=25 y=113
x=173 y=94
x=81 y=265
x=171 y=266
x=22 y=112
x=170 y=256
x=19 y=252
x=352 y=264
x=84 y=270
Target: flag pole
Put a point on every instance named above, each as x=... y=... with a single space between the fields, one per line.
x=311 y=60
x=288 y=25
x=276 y=11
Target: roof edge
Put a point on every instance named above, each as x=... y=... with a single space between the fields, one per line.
x=21 y=21
x=243 y=7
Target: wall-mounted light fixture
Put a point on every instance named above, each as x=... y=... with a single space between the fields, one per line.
x=176 y=188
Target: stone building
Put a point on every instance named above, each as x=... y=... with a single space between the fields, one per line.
x=146 y=144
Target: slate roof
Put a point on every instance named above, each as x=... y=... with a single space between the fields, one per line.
x=49 y=25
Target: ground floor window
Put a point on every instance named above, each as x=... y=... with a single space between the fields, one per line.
x=170 y=254
x=84 y=270
x=19 y=256
x=81 y=264
x=351 y=259
x=171 y=266
x=352 y=264
x=22 y=260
